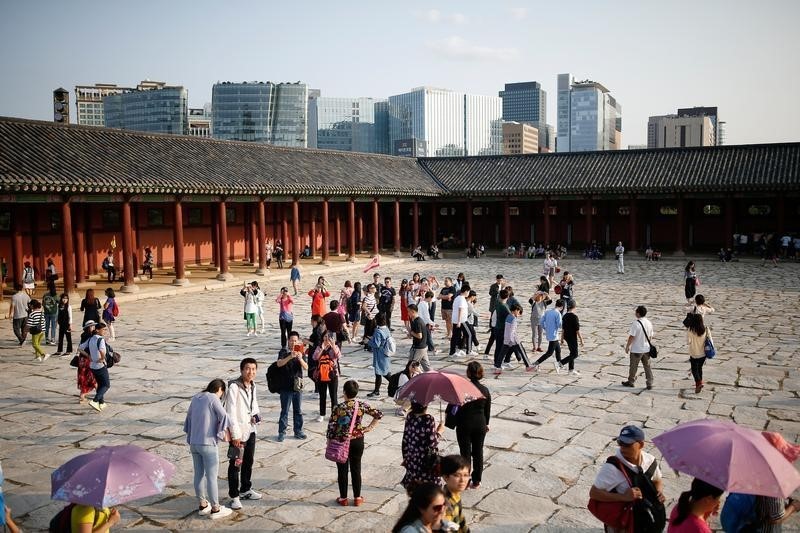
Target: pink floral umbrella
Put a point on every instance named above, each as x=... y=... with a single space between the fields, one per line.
x=110 y=475
x=730 y=457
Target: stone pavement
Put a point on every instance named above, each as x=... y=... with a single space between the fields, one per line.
x=539 y=468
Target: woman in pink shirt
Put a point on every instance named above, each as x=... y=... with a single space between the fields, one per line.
x=344 y=296
x=286 y=314
x=694 y=507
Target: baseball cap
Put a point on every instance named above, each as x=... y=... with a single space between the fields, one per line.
x=631 y=434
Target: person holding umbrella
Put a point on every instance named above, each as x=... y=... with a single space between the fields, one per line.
x=420 y=447
x=472 y=424
x=694 y=507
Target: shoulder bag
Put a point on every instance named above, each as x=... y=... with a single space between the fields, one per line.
x=708 y=346
x=653 y=350
x=339 y=450
x=617 y=515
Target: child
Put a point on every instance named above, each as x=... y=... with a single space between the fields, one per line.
x=36 y=329
x=455 y=473
x=511 y=343
x=571 y=332
x=294 y=276
x=108 y=311
x=64 y=326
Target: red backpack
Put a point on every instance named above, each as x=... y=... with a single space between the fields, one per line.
x=115 y=309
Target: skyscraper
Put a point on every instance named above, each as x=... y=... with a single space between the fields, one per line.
x=589 y=118
x=711 y=113
x=153 y=107
x=526 y=102
x=696 y=126
x=450 y=123
x=267 y=112
x=349 y=124
x=89 y=102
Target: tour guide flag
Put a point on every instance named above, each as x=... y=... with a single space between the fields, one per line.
x=114 y=242
x=375 y=263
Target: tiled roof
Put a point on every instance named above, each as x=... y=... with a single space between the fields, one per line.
x=765 y=167
x=42 y=156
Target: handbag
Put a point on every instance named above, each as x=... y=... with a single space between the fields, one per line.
x=653 y=350
x=708 y=345
x=75 y=361
x=687 y=320
x=617 y=515
x=297 y=384
x=339 y=450
x=451 y=416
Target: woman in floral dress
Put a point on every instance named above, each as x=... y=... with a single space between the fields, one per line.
x=420 y=448
x=86 y=381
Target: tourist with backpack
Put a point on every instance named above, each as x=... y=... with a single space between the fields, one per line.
x=82 y=361
x=694 y=508
x=28 y=278
x=326 y=371
x=96 y=348
x=241 y=406
x=206 y=424
x=50 y=309
x=111 y=311
x=631 y=475
x=291 y=360
x=383 y=347
x=345 y=423
x=36 y=328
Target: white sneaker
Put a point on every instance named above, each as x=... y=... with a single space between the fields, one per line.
x=235 y=503
x=205 y=511
x=250 y=495
x=356 y=339
x=222 y=513
x=557 y=366
x=46 y=357
x=255 y=333
x=320 y=418
x=249 y=333
x=473 y=354
x=574 y=372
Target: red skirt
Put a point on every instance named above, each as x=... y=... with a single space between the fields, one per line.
x=403 y=312
x=86 y=381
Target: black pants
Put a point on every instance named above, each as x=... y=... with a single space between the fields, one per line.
x=471 y=330
x=286 y=328
x=455 y=338
x=697 y=368
x=234 y=486
x=326 y=387
x=112 y=273
x=499 y=334
x=354 y=465
x=19 y=329
x=519 y=351
x=388 y=314
x=147 y=269
x=378 y=380
x=470 y=446
x=573 y=353
x=63 y=331
x=369 y=327
x=552 y=347
x=492 y=339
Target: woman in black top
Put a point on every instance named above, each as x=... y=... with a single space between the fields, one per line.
x=472 y=424
x=90 y=307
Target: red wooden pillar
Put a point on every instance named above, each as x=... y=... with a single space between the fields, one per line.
x=295 y=231
x=507 y=223
x=313 y=214
x=415 y=223
x=351 y=230
x=361 y=237
x=66 y=247
x=177 y=243
x=469 y=223
x=254 y=236
x=547 y=221
x=633 y=229
x=135 y=239
x=16 y=245
x=287 y=245
x=325 y=229
x=80 y=245
x=681 y=230
x=262 y=238
x=91 y=254
x=397 y=243
x=337 y=213
x=127 y=248
x=376 y=232
x=434 y=222
x=222 y=224
x=588 y=215
x=214 y=237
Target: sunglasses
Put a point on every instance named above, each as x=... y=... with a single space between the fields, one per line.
x=437 y=508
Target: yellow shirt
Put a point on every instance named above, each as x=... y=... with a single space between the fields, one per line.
x=696 y=344
x=84 y=514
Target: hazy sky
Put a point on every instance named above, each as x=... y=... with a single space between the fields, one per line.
x=654 y=56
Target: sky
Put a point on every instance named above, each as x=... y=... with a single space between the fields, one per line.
x=653 y=56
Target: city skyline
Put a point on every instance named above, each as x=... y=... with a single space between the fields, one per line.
x=646 y=54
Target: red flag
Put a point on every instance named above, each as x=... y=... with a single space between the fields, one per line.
x=375 y=263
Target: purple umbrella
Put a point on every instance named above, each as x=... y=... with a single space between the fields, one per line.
x=730 y=457
x=110 y=475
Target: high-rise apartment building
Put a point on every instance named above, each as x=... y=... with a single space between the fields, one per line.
x=450 y=123
x=526 y=102
x=89 y=102
x=349 y=124
x=589 y=118
x=153 y=107
x=693 y=126
x=200 y=121
x=520 y=138
x=267 y=112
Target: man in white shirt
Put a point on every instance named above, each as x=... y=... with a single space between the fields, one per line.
x=424 y=310
x=459 y=318
x=610 y=485
x=638 y=346
x=241 y=404
x=620 y=251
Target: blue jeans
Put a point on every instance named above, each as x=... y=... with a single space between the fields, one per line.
x=103 y=383
x=283 y=420
x=206 y=467
x=50 y=327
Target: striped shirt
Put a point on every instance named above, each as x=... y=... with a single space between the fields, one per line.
x=36 y=320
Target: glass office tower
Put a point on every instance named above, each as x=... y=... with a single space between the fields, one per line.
x=450 y=123
x=161 y=109
x=261 y=112
x=589 y=118
x=348 y=124
x=526 y=102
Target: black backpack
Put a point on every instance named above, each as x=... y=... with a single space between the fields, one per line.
x=62 y=521
x=274 y=378
x=649 y=515
x=394 y=382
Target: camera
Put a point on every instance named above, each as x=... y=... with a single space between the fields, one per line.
x=256 y=419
